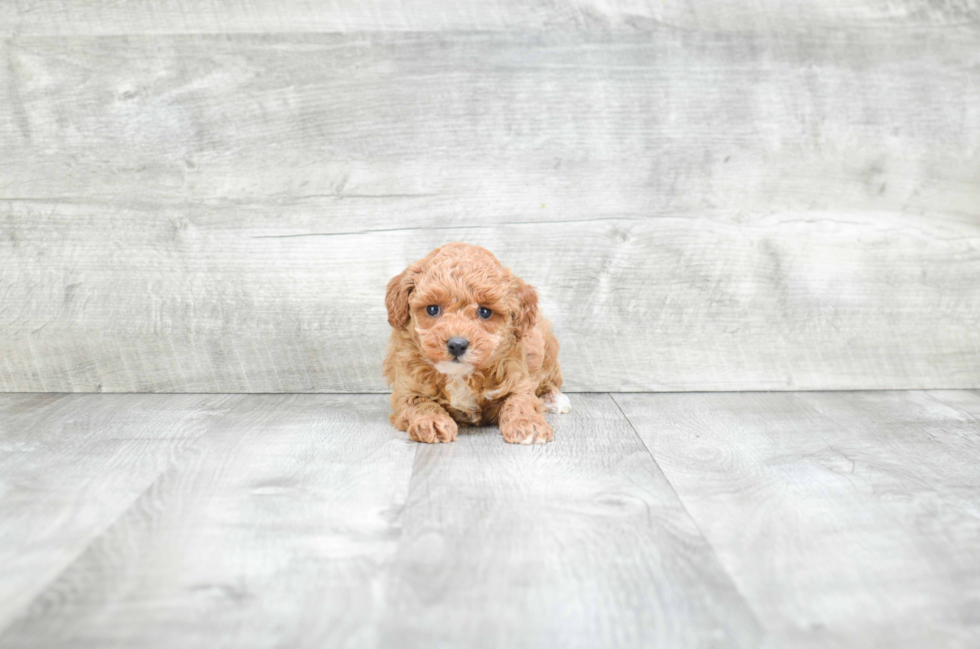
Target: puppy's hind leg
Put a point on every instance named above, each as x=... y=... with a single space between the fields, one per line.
x=555 y=401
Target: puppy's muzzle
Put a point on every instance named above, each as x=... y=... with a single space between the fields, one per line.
x=457 y=346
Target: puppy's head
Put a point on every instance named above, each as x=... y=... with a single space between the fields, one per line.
x=461 y=307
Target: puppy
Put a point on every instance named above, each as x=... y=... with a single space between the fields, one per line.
x=467 y=347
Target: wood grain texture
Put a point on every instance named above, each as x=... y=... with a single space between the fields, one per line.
x=846 y=519
x=490 y=126
x=750 y=211
x=794 y=301
x=274 y=531
x=966 y=401
x=73 y=17
x=577 y=543
x=71 y=464
x=819 y=519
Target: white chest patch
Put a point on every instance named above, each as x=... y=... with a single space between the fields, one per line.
x=458 y=390
x=460 y=396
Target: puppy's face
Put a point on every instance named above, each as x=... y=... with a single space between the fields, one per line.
x=459 y=325
x=460 y=307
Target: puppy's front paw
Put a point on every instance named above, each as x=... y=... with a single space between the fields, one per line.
x=527 y=431
x=433 y=429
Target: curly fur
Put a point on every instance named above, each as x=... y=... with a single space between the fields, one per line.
x=509 y=374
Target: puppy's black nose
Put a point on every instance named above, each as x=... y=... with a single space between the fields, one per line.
x=457 y=346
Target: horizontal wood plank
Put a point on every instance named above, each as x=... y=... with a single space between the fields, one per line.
x=221 y=213
x=479 y=127
x=786 y=302
x=70 y=465
x=275 y=529
x=577 y=543
x=74 y=17
x=846 y=519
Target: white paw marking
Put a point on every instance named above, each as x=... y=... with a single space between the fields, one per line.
x=557 y=402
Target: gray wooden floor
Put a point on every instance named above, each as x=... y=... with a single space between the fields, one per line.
x=668 y=520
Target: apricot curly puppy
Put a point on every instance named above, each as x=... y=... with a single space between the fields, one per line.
x=467 y=346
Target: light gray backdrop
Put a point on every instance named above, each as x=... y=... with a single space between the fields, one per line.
x=712 y=195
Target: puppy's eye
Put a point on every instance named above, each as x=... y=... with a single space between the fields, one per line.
x=484 y=312
x=432 y=309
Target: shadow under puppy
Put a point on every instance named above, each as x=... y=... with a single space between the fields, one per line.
x=467 y=346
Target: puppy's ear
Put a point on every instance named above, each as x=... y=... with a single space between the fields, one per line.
x=526 y=314
x=396 y=299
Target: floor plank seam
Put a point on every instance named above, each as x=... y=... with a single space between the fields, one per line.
x=43 y=590
x=834 y=518
x=385 y=604
x=734 y=584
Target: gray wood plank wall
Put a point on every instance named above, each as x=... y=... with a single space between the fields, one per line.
x=708 y=195
x=73 y=17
